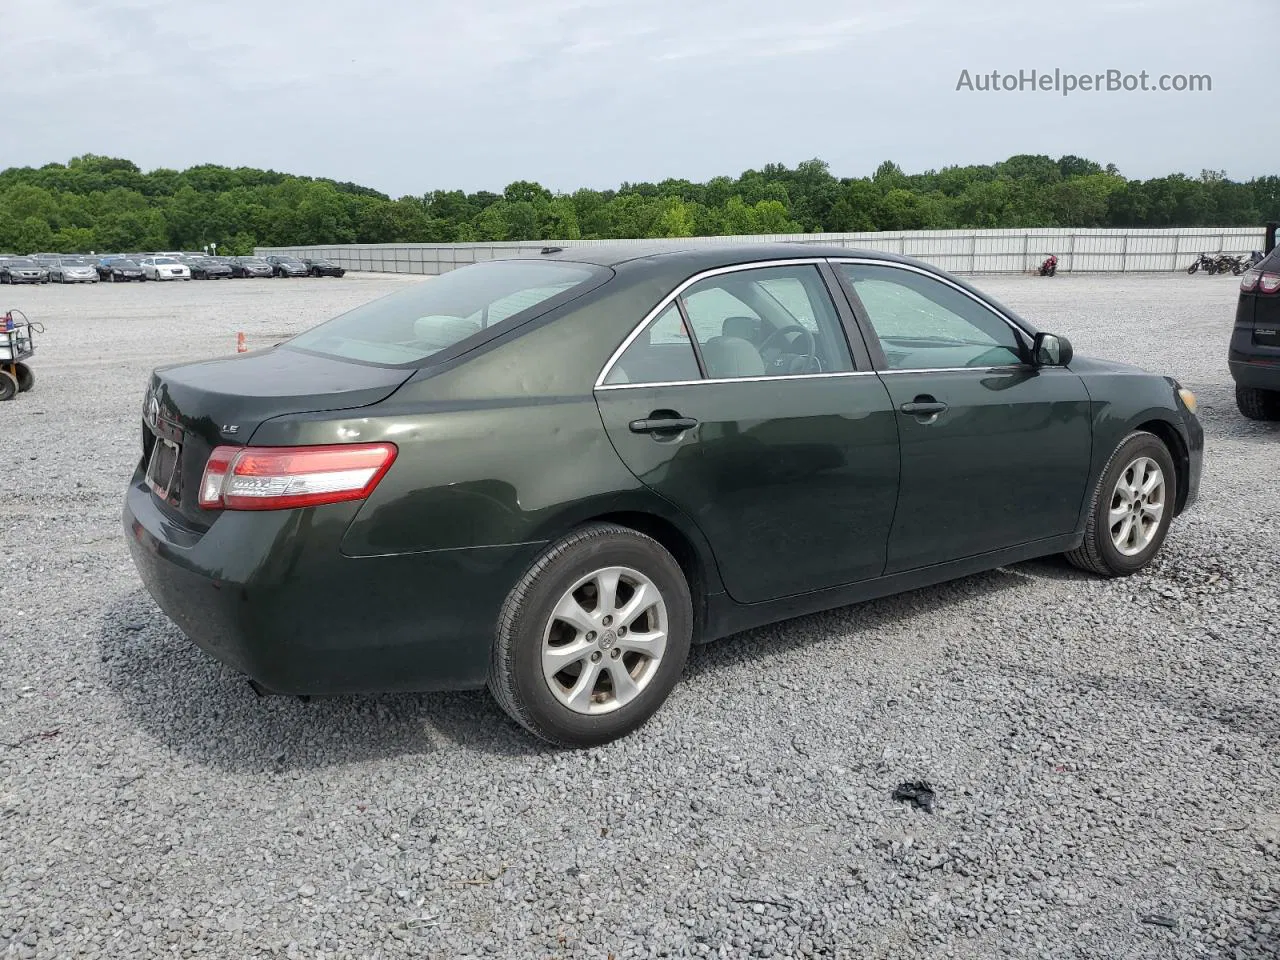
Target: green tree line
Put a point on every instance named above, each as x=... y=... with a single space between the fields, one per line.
x=107 y=204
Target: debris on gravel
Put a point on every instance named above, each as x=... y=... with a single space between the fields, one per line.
x=1109 y=747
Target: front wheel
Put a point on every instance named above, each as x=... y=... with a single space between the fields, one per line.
x=1193 y=268
x=1131 y=510
x=8 y=386
x=593 y=638
x=1258 y=404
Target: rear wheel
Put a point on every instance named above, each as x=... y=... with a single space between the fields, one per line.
x=1258 y=404
x=593 y=638
x=26 y=378
x=1131 y=509
x=8 y=386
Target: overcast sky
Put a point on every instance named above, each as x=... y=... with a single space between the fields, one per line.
x=412 y=95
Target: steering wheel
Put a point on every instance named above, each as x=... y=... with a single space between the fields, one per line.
x=809 y=356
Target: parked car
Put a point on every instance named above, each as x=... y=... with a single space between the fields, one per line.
x=1254 y=354
x=124 y=270
x=287 y=266
x=208 y=268
x=23 y=270
x=73 y=270
x=164 y=268
x=323 y=268
x=251 y=267
x=551 y=475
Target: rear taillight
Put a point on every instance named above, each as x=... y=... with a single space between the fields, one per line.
x=1249 y=282
x=280 y=478
x=1269 y=283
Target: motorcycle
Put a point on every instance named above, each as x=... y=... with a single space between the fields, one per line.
x=1229 y=264
x=1049 y=267
x=1206 y=262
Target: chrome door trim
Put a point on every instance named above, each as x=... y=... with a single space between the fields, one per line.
x=770 y=379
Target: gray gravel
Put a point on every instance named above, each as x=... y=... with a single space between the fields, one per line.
x=1104 y=752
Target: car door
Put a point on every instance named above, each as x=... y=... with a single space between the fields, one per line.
x=763 y=427
x=995 y=451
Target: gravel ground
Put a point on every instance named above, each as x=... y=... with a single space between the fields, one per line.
x=1103 y=751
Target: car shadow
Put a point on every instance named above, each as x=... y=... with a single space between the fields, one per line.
x=860 y=621
x=182 y=697
x=201 y=709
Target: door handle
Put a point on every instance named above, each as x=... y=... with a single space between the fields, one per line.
x=924 y=408
x=662 y=425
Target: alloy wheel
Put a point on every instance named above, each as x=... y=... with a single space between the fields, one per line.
x=1137 y=504
x=604 y=640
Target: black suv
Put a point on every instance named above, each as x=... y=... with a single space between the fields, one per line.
x=1254 y=357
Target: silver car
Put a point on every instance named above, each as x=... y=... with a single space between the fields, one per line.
x=22 y=270
x=73 y=270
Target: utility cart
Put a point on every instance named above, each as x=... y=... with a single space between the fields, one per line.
x=17 y=344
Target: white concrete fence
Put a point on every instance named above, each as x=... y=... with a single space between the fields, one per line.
x=957 y=251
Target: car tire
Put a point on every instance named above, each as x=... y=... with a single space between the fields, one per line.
x=1258 y=404
x=26 y=377
x=583 y=565
x=1110 y=548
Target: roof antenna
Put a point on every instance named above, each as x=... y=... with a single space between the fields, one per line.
x=546 y=250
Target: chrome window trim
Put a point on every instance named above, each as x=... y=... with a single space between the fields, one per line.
x=670 y=298
x=770 y=379
x=1023 y=336
x=993 y=369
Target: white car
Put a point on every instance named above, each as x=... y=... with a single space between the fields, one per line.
x=164 y=268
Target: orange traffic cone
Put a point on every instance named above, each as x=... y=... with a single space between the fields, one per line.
x=241 y=346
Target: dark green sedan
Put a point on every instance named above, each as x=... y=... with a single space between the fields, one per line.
x=551 y=475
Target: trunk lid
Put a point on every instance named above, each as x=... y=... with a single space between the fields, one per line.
x=195 y=407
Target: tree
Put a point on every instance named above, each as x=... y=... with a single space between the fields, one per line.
x=109 y=204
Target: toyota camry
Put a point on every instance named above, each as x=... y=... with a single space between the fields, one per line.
x=550 y=475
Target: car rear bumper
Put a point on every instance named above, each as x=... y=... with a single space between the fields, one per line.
x=1260 y=373
x=270 y=594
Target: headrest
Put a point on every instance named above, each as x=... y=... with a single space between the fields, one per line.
x=732 y=357
x=442 y=331
x=744 y=328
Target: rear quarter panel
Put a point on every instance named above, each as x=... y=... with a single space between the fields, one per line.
x=501 y=446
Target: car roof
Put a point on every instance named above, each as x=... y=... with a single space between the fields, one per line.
x=705 y=256
x=683 y=258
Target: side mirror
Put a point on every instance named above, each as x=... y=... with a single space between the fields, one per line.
x=1051 y=350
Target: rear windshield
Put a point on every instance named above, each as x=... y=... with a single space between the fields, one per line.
x=411 y=325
